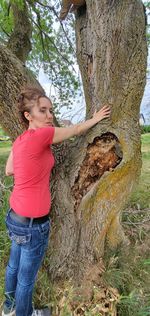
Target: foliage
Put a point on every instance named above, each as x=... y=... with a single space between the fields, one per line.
x=53 y=47
x=147 y=6
x=145 y=129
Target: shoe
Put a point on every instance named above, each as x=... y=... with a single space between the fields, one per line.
x=7 y=311
x=41 y=312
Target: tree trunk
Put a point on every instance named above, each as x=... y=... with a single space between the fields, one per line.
x=19 y=41
x=14 y=76
x=101 y=168
x=94 y=174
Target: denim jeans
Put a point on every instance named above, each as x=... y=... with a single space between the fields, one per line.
x=29 y=242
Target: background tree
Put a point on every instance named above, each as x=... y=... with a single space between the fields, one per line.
x=95 y=173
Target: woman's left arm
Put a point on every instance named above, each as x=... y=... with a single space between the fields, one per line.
x=63 y=133
x=9 y=165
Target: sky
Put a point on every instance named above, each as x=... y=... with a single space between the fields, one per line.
x=77 y=111
x=145 y=104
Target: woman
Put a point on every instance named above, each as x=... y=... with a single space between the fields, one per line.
x=30 y=162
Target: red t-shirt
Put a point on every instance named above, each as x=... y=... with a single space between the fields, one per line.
x=32 y=162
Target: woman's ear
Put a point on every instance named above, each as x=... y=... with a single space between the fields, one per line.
x=27 y=115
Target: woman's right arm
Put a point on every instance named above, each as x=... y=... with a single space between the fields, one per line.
x=9 y=165
x=77 y=129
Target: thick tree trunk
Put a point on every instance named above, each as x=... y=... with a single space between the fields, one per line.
x=13 y=77
x=101 y=168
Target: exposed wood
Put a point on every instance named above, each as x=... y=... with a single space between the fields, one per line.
x=70 y=5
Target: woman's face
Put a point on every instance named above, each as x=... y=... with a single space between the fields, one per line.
x=41 y=114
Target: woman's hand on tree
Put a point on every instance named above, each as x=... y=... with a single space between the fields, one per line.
x=103 y=113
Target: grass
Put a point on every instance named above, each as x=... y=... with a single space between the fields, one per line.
x=145 y=129
x=5 y=186
x=127 y=271
x=141 y=196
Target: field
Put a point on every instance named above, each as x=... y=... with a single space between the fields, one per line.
x=128 y=272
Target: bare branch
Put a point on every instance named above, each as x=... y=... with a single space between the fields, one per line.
x=51 y=8
x=48 y=37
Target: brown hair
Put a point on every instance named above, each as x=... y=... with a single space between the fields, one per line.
x=26 y=101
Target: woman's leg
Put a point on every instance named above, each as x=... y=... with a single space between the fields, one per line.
x=30 y=262
x=11 y=275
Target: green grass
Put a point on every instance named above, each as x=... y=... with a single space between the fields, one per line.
x=4 y=146
x=6 y=185
x=126 y=270
x=145 y=129
x=141 y=196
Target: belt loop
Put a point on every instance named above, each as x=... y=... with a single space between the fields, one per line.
x=31 y=223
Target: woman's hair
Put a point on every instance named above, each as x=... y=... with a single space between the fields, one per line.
x=26 y=101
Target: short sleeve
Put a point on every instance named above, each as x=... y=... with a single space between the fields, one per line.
x=45 y=135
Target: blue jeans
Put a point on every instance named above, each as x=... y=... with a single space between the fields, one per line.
x=29 y=242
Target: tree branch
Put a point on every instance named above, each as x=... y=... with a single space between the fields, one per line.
x=48 y=37
x=51 y=8
x=19 y=41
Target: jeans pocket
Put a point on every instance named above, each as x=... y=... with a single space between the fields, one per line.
x=19 y=239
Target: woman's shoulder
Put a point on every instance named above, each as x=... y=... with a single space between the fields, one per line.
x=45 y=134
x=41 y=135
x=45 y=129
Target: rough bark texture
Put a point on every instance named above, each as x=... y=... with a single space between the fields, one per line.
x=13 y=77
x=19 y=42
x=111 y=51
x=91 y=186
x=13 y=73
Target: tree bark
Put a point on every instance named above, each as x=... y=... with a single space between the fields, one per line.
x=14 y=76
x=19 y=42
